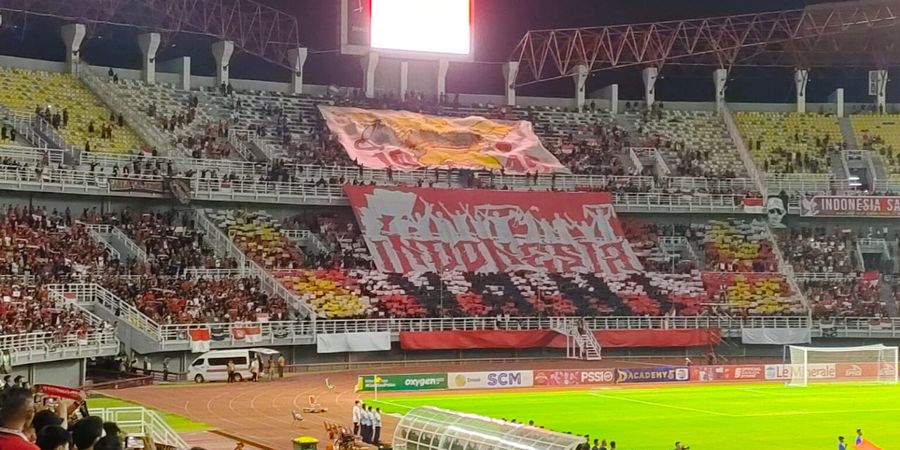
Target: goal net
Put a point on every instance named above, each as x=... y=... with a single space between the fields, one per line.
x=864 y=364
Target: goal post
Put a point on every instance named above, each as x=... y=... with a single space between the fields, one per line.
x=862 y=364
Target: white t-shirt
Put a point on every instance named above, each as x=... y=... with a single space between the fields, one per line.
x=356 y=411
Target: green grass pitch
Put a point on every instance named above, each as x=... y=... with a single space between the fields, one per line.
x=704 y=417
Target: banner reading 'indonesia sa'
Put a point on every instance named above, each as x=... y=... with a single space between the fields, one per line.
x=403 y=140
x=851 y=205
x=435 y=230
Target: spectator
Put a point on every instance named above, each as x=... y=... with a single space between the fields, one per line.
x=87 y=432
x=53 y=437
x=16 y=412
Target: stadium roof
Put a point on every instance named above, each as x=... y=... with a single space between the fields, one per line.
x=860 y=33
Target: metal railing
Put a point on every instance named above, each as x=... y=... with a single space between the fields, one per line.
x=141 y=421
x=545 y=323
x=97 y=232
x=803 y=277
x=662 y=202
x=268 y=282
x=129 y=243
x=89 y=293
x=103 y=90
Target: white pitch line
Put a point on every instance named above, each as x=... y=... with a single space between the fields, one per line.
x=663 y=405
x=394 y=404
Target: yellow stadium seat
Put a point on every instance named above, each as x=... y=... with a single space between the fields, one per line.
x=23 y=91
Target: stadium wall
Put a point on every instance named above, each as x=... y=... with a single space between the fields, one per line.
x=69 y=372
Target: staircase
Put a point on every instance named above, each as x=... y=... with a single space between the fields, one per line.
x=886 y=295
x=580 y=344
x=847 y=133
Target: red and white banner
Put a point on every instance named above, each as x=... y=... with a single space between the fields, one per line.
x=403 y=140
x=850 y=205
x=435 y=230
x=728 y=373
x=574 y=377
x=199 y=340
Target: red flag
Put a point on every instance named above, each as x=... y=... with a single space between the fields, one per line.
x=238 y=333
x=199 y=340
x=867 y=445
x=253 y=333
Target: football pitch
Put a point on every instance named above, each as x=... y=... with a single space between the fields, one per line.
x=703 y=417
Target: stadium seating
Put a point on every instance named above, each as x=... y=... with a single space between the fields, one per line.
x=25 y=91
x=819 y=252
x=790 y=142
x=190 y=118
x=735 y=245
x=693 y=143
x=27 y=308
x=170 y=242
x=749 y=294
x=171 y=300
x=331 y=292
x=257 y=235
x=851 y=297
x=879 y=133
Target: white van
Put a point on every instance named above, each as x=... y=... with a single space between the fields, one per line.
x=213 y=365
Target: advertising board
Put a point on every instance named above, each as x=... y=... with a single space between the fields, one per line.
x=491 y=380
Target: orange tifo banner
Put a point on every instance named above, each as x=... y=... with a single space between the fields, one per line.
x=403 y=140
x=415 y=230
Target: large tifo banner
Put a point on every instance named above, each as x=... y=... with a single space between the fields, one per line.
x=436 y=230
x=403 y=140
x=850 y=205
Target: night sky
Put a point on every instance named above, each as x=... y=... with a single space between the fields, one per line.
x=499 y=25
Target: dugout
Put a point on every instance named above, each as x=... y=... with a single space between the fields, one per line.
x=429 y=428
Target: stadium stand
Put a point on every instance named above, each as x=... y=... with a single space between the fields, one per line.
x=790 y=142
x=693 y=143
x=850 y=297
x=173 y=300
x=62 y=100
x=734 y=245
x=196 y=128
x=816 y=251
x=879 y=133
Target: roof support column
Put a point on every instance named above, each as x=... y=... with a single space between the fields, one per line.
x=720 y=79
x=443 y=67
x=649 y=75
x=510 y=72
x=73 y=36
x=182 y=67
x=878 y=79
x=369 y=64
x=801 y=77
x=222 y=51
x=404 y=79
x=149 y=44
x=580 y=78
x=838 y=98
x=611 y=93
x=297 y=58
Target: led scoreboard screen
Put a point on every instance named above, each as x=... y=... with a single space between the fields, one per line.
x=423 y=28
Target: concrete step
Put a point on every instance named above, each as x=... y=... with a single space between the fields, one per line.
x=848 y=134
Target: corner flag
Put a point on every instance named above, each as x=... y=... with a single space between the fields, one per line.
x=866 y=445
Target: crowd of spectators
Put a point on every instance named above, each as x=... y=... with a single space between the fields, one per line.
x=173 y=300
x=819 y=251
x=27 y=308
x=33 y=420
x=851 y=297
